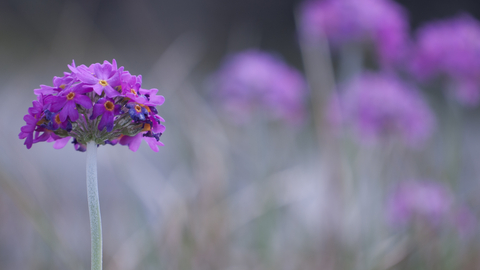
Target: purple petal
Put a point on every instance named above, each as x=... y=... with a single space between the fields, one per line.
x=98 y=109
x=45 y=136
x=157 y=100
x=69 y=110
x=106 y=121
x=132 y=142
x=115 y=79
x=102 y=71
x=44 y=89
x=58 y=103
x=60 y=143
x=98 y=88
x=110 y=92
x=30 y=119
x=85 y=76
x=83 y=101
x=29 y=141
x=152 y=142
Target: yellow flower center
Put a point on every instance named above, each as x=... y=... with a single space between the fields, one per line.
x=70 y=96
x=63 y=86
x=103 y=83
x=109 y=106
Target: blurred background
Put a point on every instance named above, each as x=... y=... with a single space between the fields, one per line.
x=334 y=134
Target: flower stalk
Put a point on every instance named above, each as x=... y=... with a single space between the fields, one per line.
x=94 y=206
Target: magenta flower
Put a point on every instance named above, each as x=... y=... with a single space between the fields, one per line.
x=381 y=22
x=59 y=83
x=254 y=81
x=64 y=111
x=107 y=108
x=147 y=134
x=26 y=132
x=450 y=48
x=100 y=77
x=376 y=106
x=67 y=99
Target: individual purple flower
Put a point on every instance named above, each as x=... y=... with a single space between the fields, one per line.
x=137 y=111
x=450 y=48
x=376 y=106
x=26 y=132
x=59 y=83
x=100 y=77
x=429 y=201
x=255 y=81
x=150 y=135
x=66 y=101
x=381 y=22
x=43 y=134
x=107 y=108
x=53 y=122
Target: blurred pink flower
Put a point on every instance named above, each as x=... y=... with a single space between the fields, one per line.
x=450 y=48
x=382 y=22
x=376 y=106
x=255 y=81
x=429 y=200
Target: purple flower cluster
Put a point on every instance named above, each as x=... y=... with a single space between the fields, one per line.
x=381 y=22
x=101 y=103
x=257 y=81
x=424 y=199
x=377 y=106
x=450 y=48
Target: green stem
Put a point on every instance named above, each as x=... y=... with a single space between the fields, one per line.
x=94 y=206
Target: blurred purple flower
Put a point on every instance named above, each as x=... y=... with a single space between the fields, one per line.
x=257 y=81
x=376 y=106
x=428 y=200
x=465 y=221
x=450 y=48
x=381 y=22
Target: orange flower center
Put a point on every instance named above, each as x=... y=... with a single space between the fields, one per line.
x=133 y=92
x=147 y=127
x=109 y=106
x=138 y=108
x=103 y=83
x=63 y=86
x=70 y=96
x=57 y=119
x=42 y=121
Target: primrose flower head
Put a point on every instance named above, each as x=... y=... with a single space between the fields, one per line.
x=93 y=104
x=450 y=48
x=376 y=106
x=257 y=82
x=381 y=22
